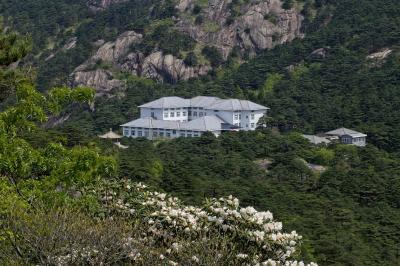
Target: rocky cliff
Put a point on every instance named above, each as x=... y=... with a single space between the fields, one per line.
x=223 y=24
x=111 y=57
x=251 y=27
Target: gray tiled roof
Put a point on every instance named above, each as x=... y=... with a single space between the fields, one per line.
x=316 y=139
x=205 y=123
x=235 y=104
x=203 y=101
x=149 y=122
x=214 y=103
x=345 y=131
x=168 y=102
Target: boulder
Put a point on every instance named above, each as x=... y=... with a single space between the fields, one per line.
x=102 y=80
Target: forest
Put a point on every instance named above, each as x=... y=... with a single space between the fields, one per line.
x=348 y=213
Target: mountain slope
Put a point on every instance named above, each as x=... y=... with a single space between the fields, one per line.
x=344 y=71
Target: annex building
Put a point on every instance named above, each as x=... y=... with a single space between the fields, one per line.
x=341 y=135
x=172 y=117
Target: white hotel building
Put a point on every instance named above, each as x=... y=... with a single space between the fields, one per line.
x=172 y=117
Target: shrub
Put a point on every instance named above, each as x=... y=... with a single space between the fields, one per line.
x=213 y=55
x=199 y=20
x=288 y=4
x=191 y=59
x=271 y=18
x=196 y=9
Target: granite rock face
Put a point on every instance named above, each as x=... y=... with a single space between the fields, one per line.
x=248 y=28
x=117 y=55
x=93 y=74
x=101 y=80
x=162 y=68
x=114 y=51
x=258 y=25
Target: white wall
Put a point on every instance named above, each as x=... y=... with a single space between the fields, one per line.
x=243 y=119
x=250 y=119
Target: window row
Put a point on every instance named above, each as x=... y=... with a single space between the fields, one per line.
x=174 y=114
x=183 y=108
x=239 y=116
x=183 y=114
x=252 y=125
x=139 y=132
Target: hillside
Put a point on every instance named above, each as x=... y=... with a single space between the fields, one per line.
x=318 y=64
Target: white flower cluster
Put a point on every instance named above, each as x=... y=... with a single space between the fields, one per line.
x=255 y=227
x=86 y=254
x=257 y=238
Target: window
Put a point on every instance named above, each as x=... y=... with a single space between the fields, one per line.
x=194 y=113
x=169 y=134
x=200 y=114
x=178 y=114
x=132 y=131
x=190 y=113
x=146 y=133
x=161 y=134
x=189 y=135
x=346 y=140
x=154 y=133
x=216 y=111
x=126 y=132
x=173 y=131
x=252 y=125
x=252 y=116
x=172 y=114
x=152 y=114
x=140 y=133
x=165 y=114
x=183 y=113
x=240 y=116
x=236 y=116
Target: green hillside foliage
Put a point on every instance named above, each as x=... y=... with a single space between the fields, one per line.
x=341 y=211
x=348 y=214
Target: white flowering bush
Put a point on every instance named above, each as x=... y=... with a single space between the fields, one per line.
x=244 y=235
x=121 y=222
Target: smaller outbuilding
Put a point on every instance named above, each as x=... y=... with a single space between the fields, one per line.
x=342 y=135
x=347 y=136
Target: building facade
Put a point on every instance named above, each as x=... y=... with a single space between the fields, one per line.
x=342 y=135
x=171 y=117
x=348 y=136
